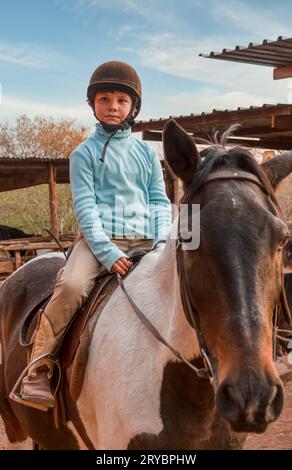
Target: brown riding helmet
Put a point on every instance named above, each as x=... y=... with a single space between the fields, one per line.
x=116 y=76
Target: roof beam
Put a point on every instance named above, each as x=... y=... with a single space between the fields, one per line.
x=282 y=122
x=277 y=144
x=283 y=72
x=217 y=117
x=265 y=142
x=152 y=136
x=256 y=131
x=17 y=182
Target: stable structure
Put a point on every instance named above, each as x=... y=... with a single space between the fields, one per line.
x=266 y=127
x=20 y=172
x=276 y=54
x=16 y=252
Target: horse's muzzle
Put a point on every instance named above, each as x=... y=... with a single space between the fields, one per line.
x=251 y=402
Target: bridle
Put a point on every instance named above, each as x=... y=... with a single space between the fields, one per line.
x=191 y=312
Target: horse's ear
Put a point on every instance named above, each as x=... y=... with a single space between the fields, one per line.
x=278 y=168
x=180 y=151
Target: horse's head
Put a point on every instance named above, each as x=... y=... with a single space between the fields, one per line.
x=234 y=277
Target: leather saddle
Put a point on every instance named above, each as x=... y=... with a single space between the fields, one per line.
x=72 y=351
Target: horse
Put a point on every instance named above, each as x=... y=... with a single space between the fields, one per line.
x=6 y=233
x=213 y=305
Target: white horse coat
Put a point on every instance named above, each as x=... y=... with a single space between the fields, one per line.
x=120 y=397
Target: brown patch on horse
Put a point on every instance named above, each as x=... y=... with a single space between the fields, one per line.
x=239 y=265
x=18 y=296
x=188 y=415
x=13 y=428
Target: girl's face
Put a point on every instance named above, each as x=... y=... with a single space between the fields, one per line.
x=112 y=107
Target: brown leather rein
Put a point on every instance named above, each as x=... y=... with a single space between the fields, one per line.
x=190 y=312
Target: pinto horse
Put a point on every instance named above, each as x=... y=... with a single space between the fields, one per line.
x=136 y=394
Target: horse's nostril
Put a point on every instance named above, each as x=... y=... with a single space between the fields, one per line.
x=229 y=401
x=250 y=409
x=276 y=405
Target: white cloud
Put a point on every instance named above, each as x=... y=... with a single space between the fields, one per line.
x=257 y=21
x=222 y=84
x=155 y=11
x=122 y=31
x=232 y=13
x=13 y=107
x=178 y=54
x=180 y=57
x=207 y=99
x=26 y=54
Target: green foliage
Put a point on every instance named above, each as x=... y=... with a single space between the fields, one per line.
x=29 y=209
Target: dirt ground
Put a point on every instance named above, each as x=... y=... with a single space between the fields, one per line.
x=278 y=436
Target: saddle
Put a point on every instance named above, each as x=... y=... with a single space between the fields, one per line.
x=72 y=351
x=105 y=285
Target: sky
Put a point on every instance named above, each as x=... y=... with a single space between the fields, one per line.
x=49 y=49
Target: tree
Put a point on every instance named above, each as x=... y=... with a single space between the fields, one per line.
x=42 y=138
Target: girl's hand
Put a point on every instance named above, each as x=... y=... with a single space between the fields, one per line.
x=122 y=266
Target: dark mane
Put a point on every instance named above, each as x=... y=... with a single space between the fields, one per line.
x=219 y=158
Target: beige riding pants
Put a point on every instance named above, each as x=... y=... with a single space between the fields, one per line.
x=76 y=279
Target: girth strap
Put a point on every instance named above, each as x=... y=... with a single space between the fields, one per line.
x=73 y=415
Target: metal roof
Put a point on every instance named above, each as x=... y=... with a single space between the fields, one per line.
x=268 y=126
x=23 y=172
x=270 y=53
x=30 y=158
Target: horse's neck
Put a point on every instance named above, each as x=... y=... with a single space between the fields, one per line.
x=162 y=284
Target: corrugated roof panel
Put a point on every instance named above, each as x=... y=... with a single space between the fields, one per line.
x=269 y=53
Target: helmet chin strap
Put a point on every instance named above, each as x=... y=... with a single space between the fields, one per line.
x=126 y=124
x=114 y=128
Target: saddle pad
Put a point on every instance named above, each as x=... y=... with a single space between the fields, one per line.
x=35 y=283
x=75 y=346
x=76 y=359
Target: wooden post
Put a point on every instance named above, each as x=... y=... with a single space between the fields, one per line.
x=283 y=72
x=53 y=200
x=17 y=259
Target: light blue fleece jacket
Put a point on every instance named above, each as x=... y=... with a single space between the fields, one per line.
x=122 y=197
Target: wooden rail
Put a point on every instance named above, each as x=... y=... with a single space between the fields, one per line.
x=16 y=252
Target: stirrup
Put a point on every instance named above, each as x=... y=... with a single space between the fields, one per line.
x=16 y=396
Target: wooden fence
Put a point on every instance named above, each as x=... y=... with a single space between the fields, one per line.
x=15 y=252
